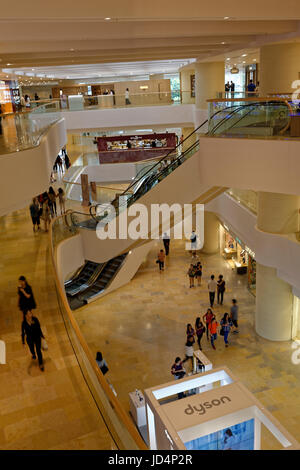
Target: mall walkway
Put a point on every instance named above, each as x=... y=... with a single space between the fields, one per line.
x=50 y=410
x=140 y=329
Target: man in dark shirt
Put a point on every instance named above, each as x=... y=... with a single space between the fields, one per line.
x=251 y=88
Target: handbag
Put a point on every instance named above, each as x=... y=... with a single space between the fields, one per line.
x=104 y=369
x=44 y=345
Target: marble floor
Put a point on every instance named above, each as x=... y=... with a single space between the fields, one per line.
x=40 y=410
x=140 y=329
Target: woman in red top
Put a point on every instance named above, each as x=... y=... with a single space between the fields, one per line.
x=213 y=326
x=207 y=318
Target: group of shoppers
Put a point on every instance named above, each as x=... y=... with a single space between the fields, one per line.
x=44 y=207
x=211 y=326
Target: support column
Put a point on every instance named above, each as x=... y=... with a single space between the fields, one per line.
x=274 y=305
x=279 y=67
x=209 y=80
x=211 y=233
x=277 y=213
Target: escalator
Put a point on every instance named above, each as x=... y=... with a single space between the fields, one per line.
x=176 y=177
x=84 y=289
x=82 y=278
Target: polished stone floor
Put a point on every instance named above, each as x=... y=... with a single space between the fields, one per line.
x=39 y=410
x=140 y=329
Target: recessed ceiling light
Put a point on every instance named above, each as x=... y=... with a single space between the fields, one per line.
x=8 y=64
x=254 y=60
x=223 y=42
x=107 y=19
x=228 y=58
x=244 y=55
x=244 y=61
x=226 y=17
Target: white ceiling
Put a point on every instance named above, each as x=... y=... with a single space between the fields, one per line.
x=88 y=71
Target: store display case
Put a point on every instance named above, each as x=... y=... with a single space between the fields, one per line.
x=217 y=412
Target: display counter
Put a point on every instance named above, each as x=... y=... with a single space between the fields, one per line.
x=229 y=253
x=241 y=268
x=220 y=414
x=200 y=357
x=137 y=408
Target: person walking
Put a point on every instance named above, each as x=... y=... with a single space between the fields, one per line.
x=61 y=200
x=101 y=362
x=166 y=242
x=207 y=318
x=193 y=239
x=221 y=289
x=26 y=298
x=67 y=161
x=161 y=260
x=198 y=272
x=226 y=325
x=234 y=313
x=52 y=201
x=46 y=212
x=127 y=100
x=191 y=274
x=213 y=327
x=189 y=349
x=190 y=331
x=35 y=213
x=212 y=286
x=200 y=330
x=31 y=329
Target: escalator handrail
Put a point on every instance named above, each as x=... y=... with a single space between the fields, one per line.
x=251 y=105
x=236 y=108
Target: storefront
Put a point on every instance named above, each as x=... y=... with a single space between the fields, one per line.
x=238 y=255
x=134 y=148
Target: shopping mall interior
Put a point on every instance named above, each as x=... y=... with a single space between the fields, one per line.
x=111 y=110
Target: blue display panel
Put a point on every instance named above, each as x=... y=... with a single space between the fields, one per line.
x=237 y=437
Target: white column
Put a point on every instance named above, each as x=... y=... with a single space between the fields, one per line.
x=209 y=80
x=211 y=233
x=274 y=305
x=279 y=67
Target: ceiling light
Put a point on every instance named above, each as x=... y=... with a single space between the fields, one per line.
x=244 y=55
x=228 y=58
x=8 y=64
x=32 y=69
x=72 y=49
x=226 y=17
x=254 y=60
x=107 y=19
x=223 y=42
x=244 y=61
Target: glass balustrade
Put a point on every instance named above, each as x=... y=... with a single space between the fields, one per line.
x=85 y=102
x=245 y=197
x=21 y=131
x=262 y=118
x=115 y=420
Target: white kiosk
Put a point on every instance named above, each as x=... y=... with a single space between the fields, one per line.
x=217 y=413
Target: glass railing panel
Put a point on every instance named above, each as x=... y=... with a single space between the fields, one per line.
x=251 y=118
x=85 y=102
x=246 y=197
x=119 y=427
x=21 y=131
